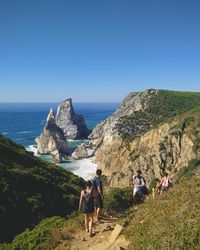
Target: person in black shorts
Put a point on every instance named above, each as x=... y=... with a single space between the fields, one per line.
x=98 y=194
x=86 y=205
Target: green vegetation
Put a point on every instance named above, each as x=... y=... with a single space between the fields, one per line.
x=38 y=237
x=153 y=183
x=118 y=200
x=189 y=170
x=31 y=189
x=170 y=221
x=47 y=235
x=160 y=107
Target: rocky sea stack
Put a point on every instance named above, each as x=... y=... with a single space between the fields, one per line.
x=72 y=124
x=52 y=140
x=65 y=125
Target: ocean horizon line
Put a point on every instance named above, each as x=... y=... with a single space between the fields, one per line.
x=60 y=102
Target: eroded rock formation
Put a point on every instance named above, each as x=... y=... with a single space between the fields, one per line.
x=52 y=140
x=80 y=152
x=73 y=125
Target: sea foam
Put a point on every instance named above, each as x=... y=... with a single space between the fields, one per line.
x=25 y=132
x=32 y=148
x=84 y=168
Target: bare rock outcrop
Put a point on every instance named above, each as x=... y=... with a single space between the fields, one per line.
x=52 y=140
x=133 y=103
x=73 y=125
x=154 y=152
x=80 y=152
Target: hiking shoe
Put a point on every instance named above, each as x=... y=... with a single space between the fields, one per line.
x=92 y=235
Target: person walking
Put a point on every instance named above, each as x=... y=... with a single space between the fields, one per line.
x=98 y=195
x=86 y=205
x=165 y=183
x=139 y=186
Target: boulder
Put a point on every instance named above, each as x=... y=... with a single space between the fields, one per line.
x=80 y=152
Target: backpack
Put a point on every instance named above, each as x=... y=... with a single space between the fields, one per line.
x=88 y=197
x=140 y=178
x=94 y=186
x=166 y=183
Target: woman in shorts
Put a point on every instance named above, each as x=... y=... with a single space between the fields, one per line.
x=86 y=205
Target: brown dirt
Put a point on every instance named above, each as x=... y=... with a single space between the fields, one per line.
x=102 y=239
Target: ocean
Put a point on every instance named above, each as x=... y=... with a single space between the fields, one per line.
x=23 y=122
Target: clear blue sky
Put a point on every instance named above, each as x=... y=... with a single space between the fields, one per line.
x=97 y=50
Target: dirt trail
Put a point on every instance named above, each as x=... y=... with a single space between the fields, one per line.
x=107 y=237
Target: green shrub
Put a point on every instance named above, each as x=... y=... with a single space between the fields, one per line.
x=118 y=200
x=198 y=123
x=152 y=183
x=162 y=146
x=196 y=145
x=36 y=238
x=195 y=132
x=188 y=171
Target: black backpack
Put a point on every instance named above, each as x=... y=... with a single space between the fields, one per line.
x=140 y=178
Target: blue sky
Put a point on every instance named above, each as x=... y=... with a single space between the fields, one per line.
x=97 y=51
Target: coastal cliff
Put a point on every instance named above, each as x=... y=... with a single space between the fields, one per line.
x=152 y=130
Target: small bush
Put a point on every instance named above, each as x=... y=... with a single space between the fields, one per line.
x=118 y=200
x=35 y=239
x=188 y=171
x=152 y=184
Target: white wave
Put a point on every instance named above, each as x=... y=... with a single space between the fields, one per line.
x=84 y=168
x=4 y=133
x=84 y=140
x=32 y=148
x=24 y=132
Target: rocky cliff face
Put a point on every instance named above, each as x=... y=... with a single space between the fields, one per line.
x=131 y=105
x=52 y=140
x=141 y=134
x=73 y=125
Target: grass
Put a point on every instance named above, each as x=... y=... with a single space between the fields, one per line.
x=160 y=107
x=118 y=200
x=170 y=221
x=31 y=189
x=189 y=170
x=47 y=235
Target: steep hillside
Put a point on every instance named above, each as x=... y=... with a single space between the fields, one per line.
x=151 y=130
x=31 y=190
x=170 y=221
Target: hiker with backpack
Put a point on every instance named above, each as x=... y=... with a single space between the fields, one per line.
x=86 y=205
x=98 y=195
x=165 y=183
x=140 y=190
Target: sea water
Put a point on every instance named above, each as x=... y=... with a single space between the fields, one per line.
x=23 y=122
